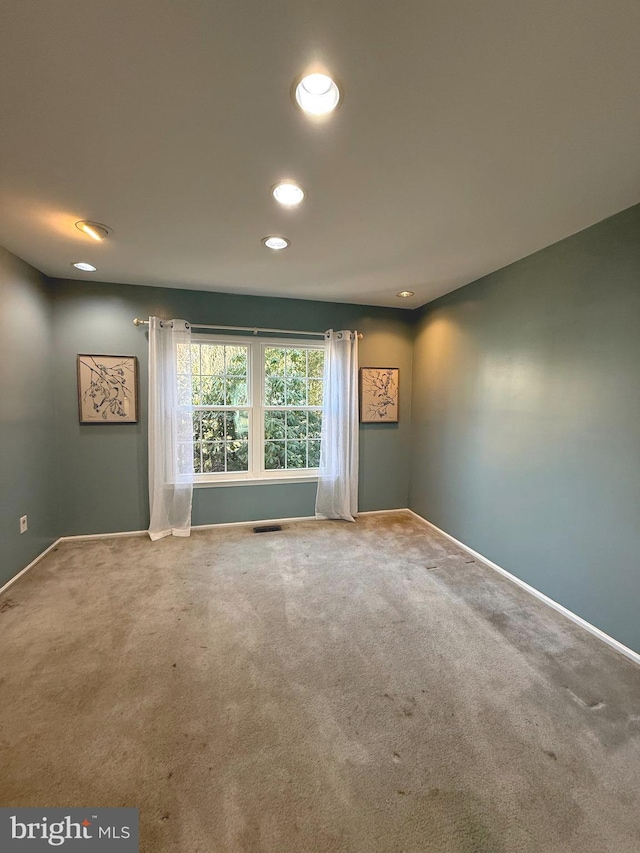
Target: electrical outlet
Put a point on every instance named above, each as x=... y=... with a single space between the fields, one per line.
x=23 y=524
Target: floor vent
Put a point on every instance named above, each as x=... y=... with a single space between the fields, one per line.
x=267 y=528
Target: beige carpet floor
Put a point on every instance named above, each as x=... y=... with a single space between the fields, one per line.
x=333 y=687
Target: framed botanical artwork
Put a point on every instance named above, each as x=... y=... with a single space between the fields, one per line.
x=379 y=395
x=108 y=389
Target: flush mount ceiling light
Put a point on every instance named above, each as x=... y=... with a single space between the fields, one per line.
x=93 y=229
x=317 y=94
x=404 y=294
x=84 y=266
x=276 y=243
x=287 y=193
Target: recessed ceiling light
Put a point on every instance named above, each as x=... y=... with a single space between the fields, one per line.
x=276 y=243
x=93 y=229
x=287 y=193
x=405 y=293
x=317 y=94
x=84 y=266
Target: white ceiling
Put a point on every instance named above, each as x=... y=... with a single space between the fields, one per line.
x=471 y=134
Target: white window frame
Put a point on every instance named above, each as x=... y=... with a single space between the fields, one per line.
x=257 y=473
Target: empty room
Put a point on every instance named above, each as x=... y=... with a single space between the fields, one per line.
x=320 y=426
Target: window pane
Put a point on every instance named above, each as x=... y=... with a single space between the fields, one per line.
x=196 y=425
x=197 y=462
x=296 y=362
x=236 y=361
x=195 y=388
x=212 y=426
x=296 y=392
x=315 y=424
x=211 y=391
x=236 y=392
x=316 y=362
x=212 y=456
x=274 y=425
x=315 y=392
x=212 y=356
x=296 y=454
x=237 y=456
x=274 y=391
x=296 y=424
x=273 y=454
x=237 y=425
x=274 y=361
x=314 y=454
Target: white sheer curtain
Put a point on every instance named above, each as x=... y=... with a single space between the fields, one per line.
x=337 y=495
x=170 y=428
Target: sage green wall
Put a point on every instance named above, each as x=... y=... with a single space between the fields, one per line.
x=27 y=447
x=103 y=469
x=526 y=421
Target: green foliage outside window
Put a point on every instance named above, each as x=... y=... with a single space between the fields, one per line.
x=293 y=380
x=219 y=377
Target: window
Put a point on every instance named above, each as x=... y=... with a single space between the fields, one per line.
x=257 y=407
x=292 y=407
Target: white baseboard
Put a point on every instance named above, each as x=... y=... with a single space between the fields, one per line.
x=197 y=527
x=610 y=641
x=284 y=520
x=193 y=527
x=79 y=536
x=216 y=525
x=30 y=566
x=258 y=521
x=382 y=511
x=213 y=526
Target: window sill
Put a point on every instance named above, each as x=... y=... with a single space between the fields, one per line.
x=254 y=481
